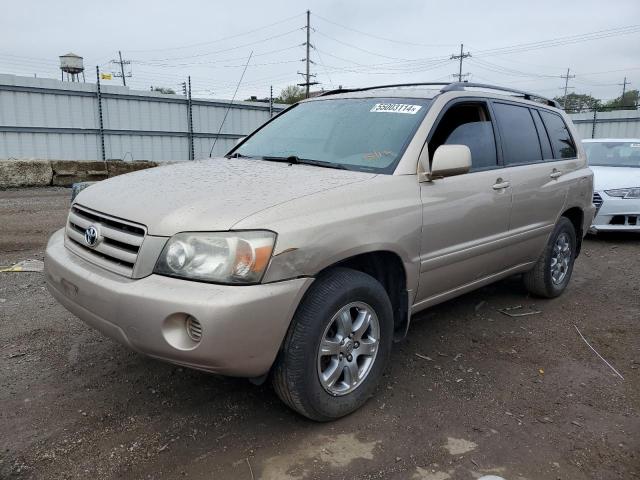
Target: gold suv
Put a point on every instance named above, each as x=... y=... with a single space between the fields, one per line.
x=303 y=253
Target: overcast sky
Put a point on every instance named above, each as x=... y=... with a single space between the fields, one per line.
x=356 y=43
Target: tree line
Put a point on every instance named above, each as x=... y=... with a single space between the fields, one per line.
x=574 y=103
x=582 y=102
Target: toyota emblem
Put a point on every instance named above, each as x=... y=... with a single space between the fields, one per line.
x=91 y=236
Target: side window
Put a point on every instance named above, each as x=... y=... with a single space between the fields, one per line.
x=547 y=153
x=520 y=142
x=563 y=146
x=468 y=124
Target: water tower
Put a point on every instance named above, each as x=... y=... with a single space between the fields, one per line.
x=73 y=66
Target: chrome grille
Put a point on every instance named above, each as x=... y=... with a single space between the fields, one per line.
x=597 y=201
x=119 y=244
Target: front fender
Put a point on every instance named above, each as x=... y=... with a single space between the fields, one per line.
x=309 y=260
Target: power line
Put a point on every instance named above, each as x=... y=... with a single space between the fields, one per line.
x=324 y=67
x=237 y=47
x=567 y=40
x=402 y=66
x=358 y=48
x=193 y=45
x=611 y=71
x=402 y=42
x=506 y=70
x=423 y=68
x=211 y=62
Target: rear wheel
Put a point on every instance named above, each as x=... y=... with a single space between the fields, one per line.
x=337 y=346
x=552 y=272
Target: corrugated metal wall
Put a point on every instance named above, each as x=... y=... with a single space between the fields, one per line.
x=49 y=119
x=616 y=124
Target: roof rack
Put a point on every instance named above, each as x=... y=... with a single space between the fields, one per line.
x=451 y=87
x=457 y=86
x=377 y=87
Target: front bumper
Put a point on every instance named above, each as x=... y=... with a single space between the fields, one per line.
x=242 y=326
x=617 y=214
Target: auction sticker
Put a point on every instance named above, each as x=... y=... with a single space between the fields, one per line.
x=396 y=108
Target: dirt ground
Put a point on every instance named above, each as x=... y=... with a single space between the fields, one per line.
x=471 y=392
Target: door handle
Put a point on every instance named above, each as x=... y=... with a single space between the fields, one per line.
x=555 y=173
x=501 y=184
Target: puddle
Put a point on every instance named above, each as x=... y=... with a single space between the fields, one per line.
x=459 y=446
x=426 y=474
x=337 y=451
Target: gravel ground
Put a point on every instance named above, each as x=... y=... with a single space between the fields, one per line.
x=470 y=392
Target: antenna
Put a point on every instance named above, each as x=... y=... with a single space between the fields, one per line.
x=229 y=107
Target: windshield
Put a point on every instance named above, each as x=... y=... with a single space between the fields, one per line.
x=613 y=154
x=367 y=134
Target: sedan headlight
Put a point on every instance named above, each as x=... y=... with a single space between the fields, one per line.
x=633 y=192
x=218 y=257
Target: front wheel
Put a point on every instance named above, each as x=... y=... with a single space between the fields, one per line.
x=552 y=272
x=337 y=346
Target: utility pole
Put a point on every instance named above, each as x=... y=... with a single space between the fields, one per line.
x=100 y=119
x=190 y=120
x=624 y=90
x=308 y=42
x=308 y=75
x=460 y=57
x=271 y=101
x=566 y=87
x=122 y=64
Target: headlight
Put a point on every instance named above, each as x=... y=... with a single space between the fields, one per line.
x=224 y=257
x=624 y=192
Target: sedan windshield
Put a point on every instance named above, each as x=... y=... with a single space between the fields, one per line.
x=613 y=154
x=364 y=134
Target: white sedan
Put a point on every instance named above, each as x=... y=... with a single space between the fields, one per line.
x=616 y=169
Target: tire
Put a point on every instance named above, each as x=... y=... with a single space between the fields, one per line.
x=297 y=373
x=541 y=281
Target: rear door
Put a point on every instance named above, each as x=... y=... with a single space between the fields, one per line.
x=536 y=170
x=465 y=217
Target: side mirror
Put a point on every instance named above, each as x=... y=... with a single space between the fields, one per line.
x=450 y=160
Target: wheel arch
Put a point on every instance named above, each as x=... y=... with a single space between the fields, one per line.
x=387 y=268
x=576 y=216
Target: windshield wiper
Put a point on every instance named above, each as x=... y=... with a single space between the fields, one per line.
x=238 y=155
x=294 y=159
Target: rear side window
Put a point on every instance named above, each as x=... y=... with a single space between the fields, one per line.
x=547 y=152
x=563 y=146
x=520 y=142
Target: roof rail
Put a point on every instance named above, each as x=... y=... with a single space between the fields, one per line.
x=376 y=87
x=450 y=87
x=456 y=86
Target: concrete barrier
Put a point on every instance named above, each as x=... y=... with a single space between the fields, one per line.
x=68 y=172
x=120 y=168
x=25 y=173
x=62 y=173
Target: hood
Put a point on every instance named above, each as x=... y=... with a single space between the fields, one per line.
x=608 y=178
x=208 y=195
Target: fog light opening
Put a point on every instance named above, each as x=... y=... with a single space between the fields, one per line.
x=182 y=331
x=194 y=329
